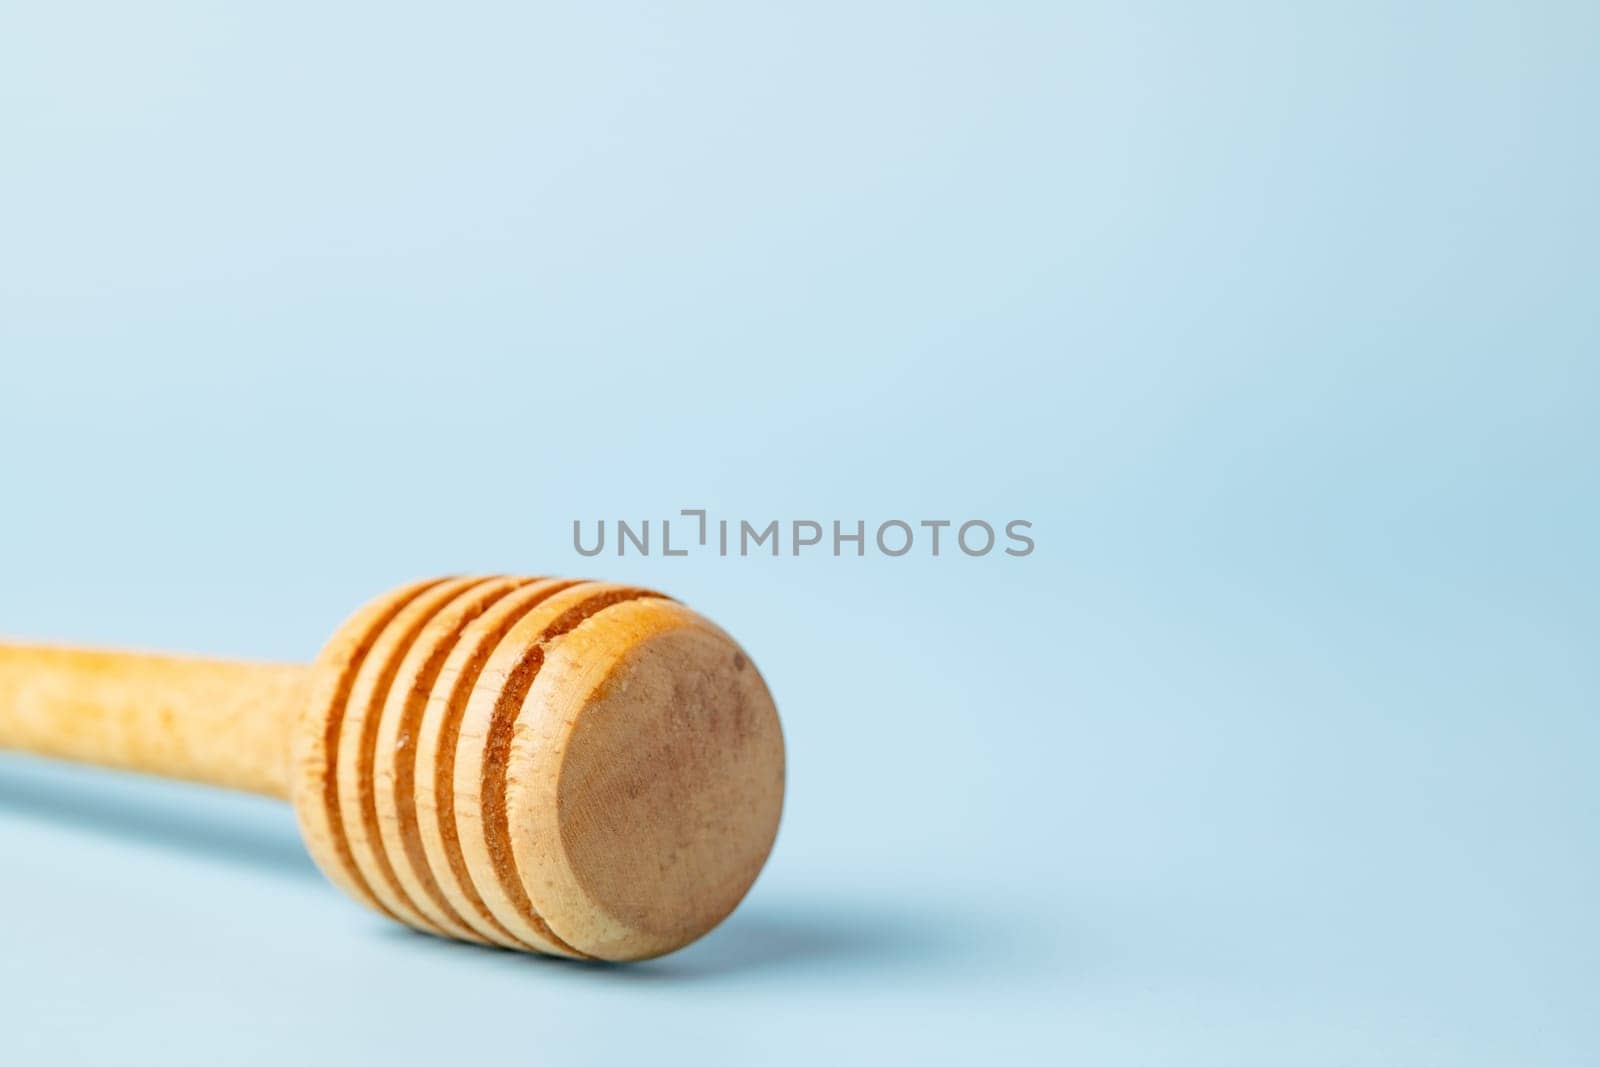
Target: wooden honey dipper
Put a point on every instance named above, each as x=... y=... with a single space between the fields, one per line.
x=569 y=767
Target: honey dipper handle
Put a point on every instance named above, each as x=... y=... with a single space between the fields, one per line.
x=213 y=721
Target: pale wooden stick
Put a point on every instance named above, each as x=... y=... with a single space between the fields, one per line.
x=214 y=721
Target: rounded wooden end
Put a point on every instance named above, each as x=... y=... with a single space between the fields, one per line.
x=568 y=767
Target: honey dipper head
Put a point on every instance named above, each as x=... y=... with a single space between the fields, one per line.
x=568 y=767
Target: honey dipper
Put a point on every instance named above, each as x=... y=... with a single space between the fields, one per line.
x=568 y=767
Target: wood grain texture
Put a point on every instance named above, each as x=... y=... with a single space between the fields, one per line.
x=645 y=781
x=576 y=768
x=202 y=720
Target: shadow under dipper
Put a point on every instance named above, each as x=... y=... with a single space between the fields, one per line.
x=211 y=823
x=773 y=933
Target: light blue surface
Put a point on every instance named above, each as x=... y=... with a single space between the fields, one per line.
x=1278 y=321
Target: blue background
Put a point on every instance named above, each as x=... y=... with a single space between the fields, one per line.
x=1278 y=321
